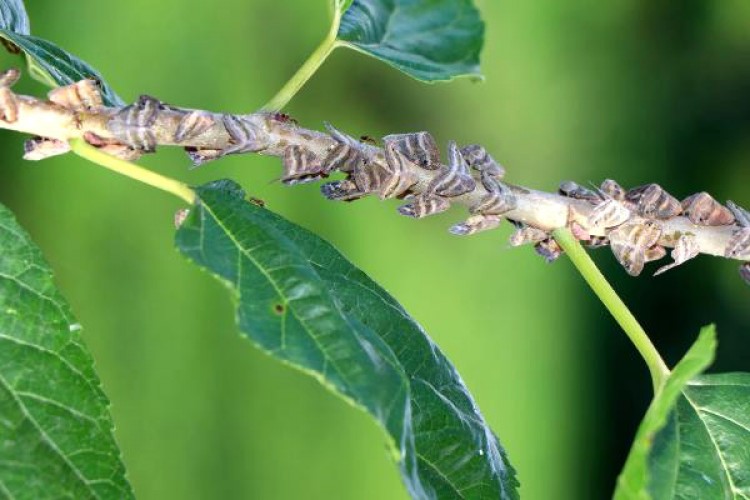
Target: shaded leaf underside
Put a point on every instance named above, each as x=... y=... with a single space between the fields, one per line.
x=303 y=303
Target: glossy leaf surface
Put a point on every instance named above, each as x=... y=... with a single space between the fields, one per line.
x=56 y=436
x=430 y=40
x=300 y=301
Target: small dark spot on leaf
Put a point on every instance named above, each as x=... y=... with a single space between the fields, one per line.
x=279 y=308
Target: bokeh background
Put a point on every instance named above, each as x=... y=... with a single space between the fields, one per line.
x=636 y=90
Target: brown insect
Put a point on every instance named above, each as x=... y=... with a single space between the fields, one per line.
x=133 y=125
x=112 y=147
x=596 y=242
x=243 y=134
x=739 y=244
x=655 y=253
x=479 y=159
x=192 y=125
x=424 y=205
x=300 y=166
x=8 y=101
x=549 y=249
x=201 y=156
x=180 y=216
x=368 y=140
x=612 y=190
x=608 y=213
x=79 y=96
x=498 y=200
x=741 y=215
x=653 y=201
x=344 y=190
x=400 y=178
x=454 y=180
x=365 y=150
x=526 y=234
x=39 y=148
x=476 y=224
x=684 y=249
x=629 y=243
x=578 y=192
x=419 y=147
x=703 y=209
x=257 y=201
x=284 y=118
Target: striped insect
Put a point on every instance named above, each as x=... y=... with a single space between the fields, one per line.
x=133 y=125
x=79 y=96
x=741 y=215
x=300 y=166
x=365 y=150
x=703 y=209
x=8 y=101
x=596 y=242
x=454 y=180
x=498 y=200
x=577 y=192
x=193 y=124
x=343 y=190
x=739 y=244
x=112 y=147
x=608 y=213
x=549 y=249
x=480 y=160
x=400 y=175
x=612 y=189
x=39 y=148
x=419 y=147
x=653 y=201
x=630 y=243
x=342 y=157
x=745 y=272
x=424 y=205
x=525 y=234
x=476 y=224
x=684 y=249
x=201 y=156
x=243 y=133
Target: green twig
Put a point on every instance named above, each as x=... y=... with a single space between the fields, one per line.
x=84 y=150
x=308 y=69
x=614 y=305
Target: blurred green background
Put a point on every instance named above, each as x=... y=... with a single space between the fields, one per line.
x=640 y=91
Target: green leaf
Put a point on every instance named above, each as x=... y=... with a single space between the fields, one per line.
x=340 y=6
x=300 y=301
x=430 y=40
x=694 y=441
x=55 y=429
x=47 y=62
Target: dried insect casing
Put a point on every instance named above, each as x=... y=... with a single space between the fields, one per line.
x=653 y=201
x=577 y=192
x=745 y=272
x=192 y=125
x=549 y=249
x=613 y=190
x=133 y=124
x=244 y=134
x=527 y=234
x=79 y=96
x=479 y=159
x=400 y=177
x=608 y=213
x=741 y=215
x=39 y=148
x=454 y=180
x=685 y=249
x=476 y=224
x=703 y=209
x=424 y=205
x=419 y=147
x=300 y=166
x=629 y=243
x=498 y=200
x=739 y=244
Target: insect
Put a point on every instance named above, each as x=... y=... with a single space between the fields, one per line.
x=498 y=200
x=745 y=272
x=39 y=148
x=684 y=249
x=365 y=150
x=578 y=192
x=454 y=180
x=112 y=147
x=549 y=249
x=653 y=201
x=284 y=118
x=526 y=234
x=612 y=190
x=201 y=156
x=479 y=159
x=344 y=190
x=368 y=140
x=257 y=202
x=596 y=242
x=741 y=215
x=476 y=224
x=133 y=125
x=79 y=96
x=192 y=125
x=703 y=209
x=243 y=134
x=399 y=176
x=300 y=166
x=180 y=216
x=608 y=213
x=739 y=244
x=8 y=101
x=419 y=147
x=424 y=205
x=630 y=242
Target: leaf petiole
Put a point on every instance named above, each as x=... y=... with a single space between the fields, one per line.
x=616 y=307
